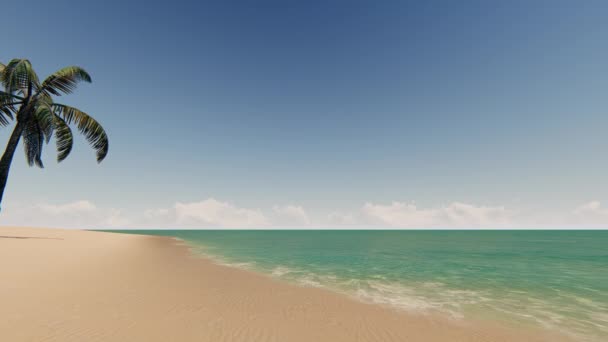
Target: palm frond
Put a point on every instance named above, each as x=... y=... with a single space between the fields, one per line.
x=33 y=139
x=18 y=76
x=65 y=80
x=89 y=127
x=15 y=97
x=63 y=138
x=7 y=108
x=46 y=121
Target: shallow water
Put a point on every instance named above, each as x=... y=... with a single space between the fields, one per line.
x=556 y=279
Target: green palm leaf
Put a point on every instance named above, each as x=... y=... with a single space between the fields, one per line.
x=63 y=138
x=7 y=104
x=91 y=129
x=46 y=121
x=7 y=108
x=13 y=96
x=19 y=76
x=64 y=80
x=33 y=139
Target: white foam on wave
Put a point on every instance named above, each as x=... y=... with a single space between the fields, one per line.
x=425 y=297
x=396 y=296
x=204 y=252
x=280 y=271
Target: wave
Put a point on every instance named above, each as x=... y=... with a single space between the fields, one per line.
x=437 y=297
x=580 y=317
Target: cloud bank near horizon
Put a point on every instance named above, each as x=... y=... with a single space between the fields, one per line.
x=214 y=213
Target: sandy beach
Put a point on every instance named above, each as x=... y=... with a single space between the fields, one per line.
x=70 y=285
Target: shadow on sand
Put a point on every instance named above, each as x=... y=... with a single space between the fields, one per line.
x=29 y=237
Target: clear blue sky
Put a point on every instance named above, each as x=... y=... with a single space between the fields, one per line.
x=325 y=105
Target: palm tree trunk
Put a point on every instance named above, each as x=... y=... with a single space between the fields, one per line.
x=7 y=157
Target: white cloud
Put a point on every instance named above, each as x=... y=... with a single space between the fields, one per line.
x=591 y=215
x=68 y=208
x=593 y=207
x=156 y=213
x=290 y=215
x=342 y=219
x=213 y=213
x=455 y=215
x=77 y=214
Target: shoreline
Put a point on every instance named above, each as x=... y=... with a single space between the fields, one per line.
x=72 y=285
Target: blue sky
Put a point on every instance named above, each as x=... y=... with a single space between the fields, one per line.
x=318 y=109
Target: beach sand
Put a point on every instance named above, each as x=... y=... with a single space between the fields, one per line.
x=70 y=285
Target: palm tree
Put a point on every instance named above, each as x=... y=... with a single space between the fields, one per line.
x=39 y=118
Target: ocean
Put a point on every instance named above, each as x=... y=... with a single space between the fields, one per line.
x=551 y=278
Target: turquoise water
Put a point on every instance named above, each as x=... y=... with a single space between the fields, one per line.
x=556 y=279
